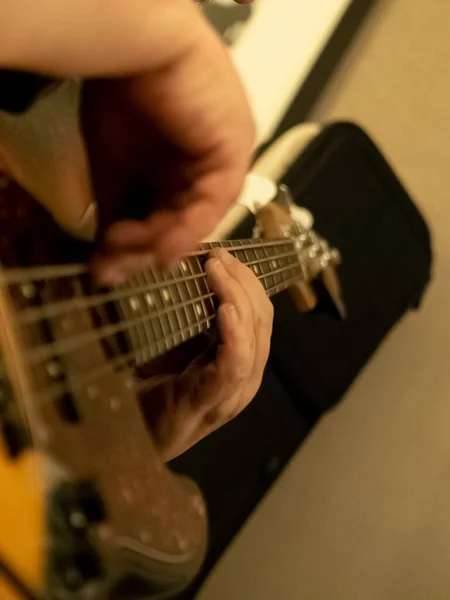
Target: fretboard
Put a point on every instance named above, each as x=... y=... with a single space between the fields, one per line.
x=162 y=311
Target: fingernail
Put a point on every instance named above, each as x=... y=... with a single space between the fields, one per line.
x=231 y=313
x=218 y=266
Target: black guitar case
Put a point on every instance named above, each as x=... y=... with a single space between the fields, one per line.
x=361 y=207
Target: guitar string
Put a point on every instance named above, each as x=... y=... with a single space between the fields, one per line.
x=55 y=390
x=30 y=274
x=44 y=352
x=52 y=310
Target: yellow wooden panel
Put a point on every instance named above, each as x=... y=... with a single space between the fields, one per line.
x=22 y=518
x=7 y=592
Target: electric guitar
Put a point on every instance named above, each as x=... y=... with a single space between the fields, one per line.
x=87 y=508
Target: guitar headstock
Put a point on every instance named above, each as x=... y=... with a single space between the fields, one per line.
x=281 y=218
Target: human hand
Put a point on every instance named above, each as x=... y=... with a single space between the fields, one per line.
x=163 y=108
x=183 y=409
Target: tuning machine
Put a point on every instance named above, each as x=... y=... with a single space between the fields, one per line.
x=322 y=262
x=283 y=217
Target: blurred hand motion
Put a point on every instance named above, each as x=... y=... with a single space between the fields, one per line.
x=163 y=111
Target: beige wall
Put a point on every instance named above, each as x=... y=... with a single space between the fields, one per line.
x=363 y=511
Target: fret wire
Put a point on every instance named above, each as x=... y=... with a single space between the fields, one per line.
x=202 y=291
x=208 y=246
x=221 y=244
x=152 y=301
x=164 y=318
x=60 y=308
x=45 y=351
x=258 y=266
x=249 y=243
x=125 y=305
x=240 y=253
x=28 y=274
x=119 y=361
x=175 y=291
x=174 y=329
x=250 y=255
x=268 y=256
x=127 y=358
x=142 y=331
x=189 y=309
x=146 y=302
x=271 y=278
x=198 y=292
x=276 y=265
x=282 y=286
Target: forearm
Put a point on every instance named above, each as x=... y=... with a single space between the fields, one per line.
x=96 y=37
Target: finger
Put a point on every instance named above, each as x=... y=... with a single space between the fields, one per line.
x=236 y=357
x=261 y=311
x=229 y=290
x=221 y=384
x=244 y=276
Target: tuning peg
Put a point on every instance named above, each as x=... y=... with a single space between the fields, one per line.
x=284 y=196
x=302 y=218
x=332 y=284
x=328 y=262
x=303 y=296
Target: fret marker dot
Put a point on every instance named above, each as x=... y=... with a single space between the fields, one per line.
x=149 y=299
x=28 y=290
x=54 y=369
x=134 y=304
x=166 y=295
x=199 y=309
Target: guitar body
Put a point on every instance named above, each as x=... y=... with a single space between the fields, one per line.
x=87 y=508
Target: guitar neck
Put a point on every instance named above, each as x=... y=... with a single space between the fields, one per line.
x=162 y=310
